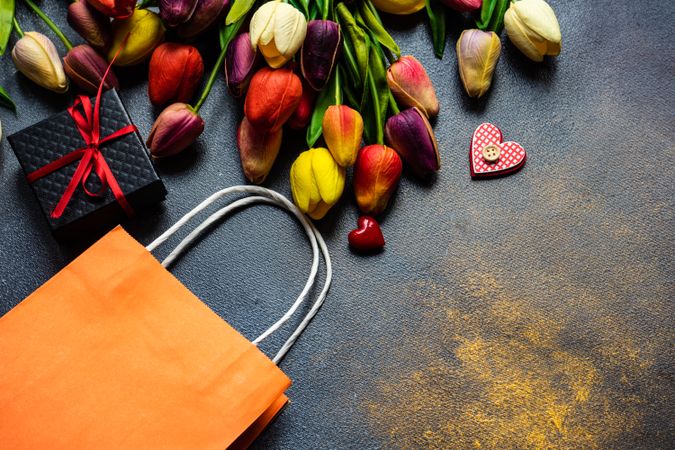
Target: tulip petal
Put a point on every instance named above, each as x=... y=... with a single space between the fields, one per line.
x=519 y=36
x=262 y=24
x=290 y=28
x=477 y=55
x=538 y=16
x=257 y=150
x=329 y=177
x=36 y=57
x=303 y=187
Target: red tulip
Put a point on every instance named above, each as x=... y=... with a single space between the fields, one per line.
x=177 y=127
x=175 y=73
x=303 y=113
x=376 y=173
x=86 y=68
x=119 y=9
x=272 y=97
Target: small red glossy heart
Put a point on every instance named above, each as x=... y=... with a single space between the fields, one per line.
x=367 y=236
x=512 y=155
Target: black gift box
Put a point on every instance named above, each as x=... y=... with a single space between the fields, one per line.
x=127 y=157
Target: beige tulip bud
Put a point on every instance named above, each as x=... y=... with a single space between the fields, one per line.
x=36 y=57
x=533 y=27
x=477 y=55
x=278 y=31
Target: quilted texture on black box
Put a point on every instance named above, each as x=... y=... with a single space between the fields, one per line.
x=52 y=138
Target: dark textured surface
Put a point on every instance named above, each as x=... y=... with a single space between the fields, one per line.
x=54 y=137
x=532 y=311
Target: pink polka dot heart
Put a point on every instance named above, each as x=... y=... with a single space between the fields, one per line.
x=511 y=158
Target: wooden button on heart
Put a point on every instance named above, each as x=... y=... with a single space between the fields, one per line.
x=484 y=161
x=368 y=236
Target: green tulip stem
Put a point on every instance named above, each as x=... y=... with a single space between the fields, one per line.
x=49 y=23
x=392 y=104
x=212 y=79
x=337 y=94
x=17 y=27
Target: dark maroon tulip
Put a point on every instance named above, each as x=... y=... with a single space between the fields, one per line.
x=91 y=24
x=206 y=13
x=319 y=52
x=175 y=12
x=303 y=113
x=241 y=62
x=86 y=68
x=176 y=128
x=410 y=134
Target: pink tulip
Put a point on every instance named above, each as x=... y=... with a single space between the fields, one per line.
x=177 y=127
x=463 y=5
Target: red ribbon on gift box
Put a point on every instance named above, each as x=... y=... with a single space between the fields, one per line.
x=87 y=120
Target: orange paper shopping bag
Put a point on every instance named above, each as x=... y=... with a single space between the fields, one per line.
x=115 y=353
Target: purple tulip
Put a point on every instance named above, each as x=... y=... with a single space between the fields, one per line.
x=86 y=68
x=320 y=51
x=206 y=13
x=410 y=134
x=177 y=127
x=91 y=24
x=241 y=62
x=176 y=12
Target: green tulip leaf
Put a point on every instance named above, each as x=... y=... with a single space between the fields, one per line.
x=436 y=12
x=497 y=21
x=6 y=100
x=228 y=32
x=238 y=10
x=485 y=14
x=378 y=70
x=6 y=17
x=350 y=62
x=372 y=22
x=330 y=95
x=356 y=36
x=370 y=110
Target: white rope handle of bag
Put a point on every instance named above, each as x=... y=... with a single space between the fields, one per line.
x=263 y=195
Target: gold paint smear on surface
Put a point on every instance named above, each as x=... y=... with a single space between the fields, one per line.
x=501 y=376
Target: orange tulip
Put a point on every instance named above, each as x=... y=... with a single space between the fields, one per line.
x=342 y=131
x=272 y=98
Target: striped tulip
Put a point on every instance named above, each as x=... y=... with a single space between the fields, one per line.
x=477 y=56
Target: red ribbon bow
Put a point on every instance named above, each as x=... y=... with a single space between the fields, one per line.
x=91 y=159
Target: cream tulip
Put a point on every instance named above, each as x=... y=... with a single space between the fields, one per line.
x=36 y=57
x=533 y=27
x=278 y=30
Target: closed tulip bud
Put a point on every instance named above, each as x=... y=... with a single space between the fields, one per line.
x=91 y=24
x=207 y=12
x=175 y=12
x=477 y=55
x=533 y=27
x=177 y=127
x=118 y=9
x=411 y=86
x=400 y=7
x=86 y=68
x=36 y=57
x=376 y=173
x=317 y=182
x=175 y=73
x=277 y=30
x=303 y=113
x=320 y=51
x=241 y=62
x=410 y=134
x=463 y=5
x=145 y=31
x=272 y=97
x=342 y=130
x=258 y=150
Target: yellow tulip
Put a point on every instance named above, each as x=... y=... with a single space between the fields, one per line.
x=36 y=57
x=317 y=182
x=145 y=32
x=400 y=7
x=278 y=30
x=533 y=27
